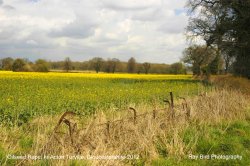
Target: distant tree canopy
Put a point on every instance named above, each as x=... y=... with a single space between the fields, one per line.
x=41 y=66
x=202 y=58
x=111 y=65
x=18 y=65
x=6 y=63
x=177 y=68
x=131 y=66
x=97 y=64
x=224 y=25
x=24 y=65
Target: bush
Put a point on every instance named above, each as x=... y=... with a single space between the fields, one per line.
x=41 y=66
x=18 y=65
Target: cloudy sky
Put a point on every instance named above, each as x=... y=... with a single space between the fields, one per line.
x=149 y=30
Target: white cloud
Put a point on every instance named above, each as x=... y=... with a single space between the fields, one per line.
x=31 y=42
x=130 y=4
x=79 y=28
x=149 y=30
x=175 y=24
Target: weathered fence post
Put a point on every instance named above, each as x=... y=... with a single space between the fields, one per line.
x=167 y=101
x=154 y=114
x=172 y=104
x=134 y=114
x=108 y=128
x=185 y=108
x=188 y=111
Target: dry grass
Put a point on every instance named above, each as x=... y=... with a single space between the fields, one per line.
x=149 y=137
x=233 y=83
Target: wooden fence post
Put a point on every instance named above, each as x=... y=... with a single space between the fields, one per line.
x=188 y=111
x=154 y=114
x=167 y=101
x=134 y=113
x=172 y=104
x=108 y=128
x=186 y=108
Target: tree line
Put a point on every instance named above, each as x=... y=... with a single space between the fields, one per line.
x=96 y=64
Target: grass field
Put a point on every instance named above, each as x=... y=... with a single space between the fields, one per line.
x=32 y=103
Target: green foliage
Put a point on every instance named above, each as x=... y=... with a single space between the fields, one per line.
x=215 y=139
x=112 y=65
x=199 y=57
x=41 y=66
x=188 y=135
x=23 y=118
x=98 y=64
x=25 y=143
x=216 y=65
x=44 y=163
x=78 y=163
x=246 y=143
x=6 y=63
x=161 y=149
x=225 y=26
x=177 y=68
x=18 y=65
x=2 y=155
x=3 y=159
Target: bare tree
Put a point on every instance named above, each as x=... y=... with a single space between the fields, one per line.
x=115 y=64
x=67 y=66
x=146 y=67
x=97 y=64
x=111 y=65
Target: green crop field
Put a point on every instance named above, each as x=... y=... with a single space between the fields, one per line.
x=25 y=95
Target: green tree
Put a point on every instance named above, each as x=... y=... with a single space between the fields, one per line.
x=199 y=57
x=18 y=65
x=177 y=68
x=224 y=25
x=6 y=63
x=215 y=66
x=41 y=66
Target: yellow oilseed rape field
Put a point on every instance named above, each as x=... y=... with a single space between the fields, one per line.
x=26 y=95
